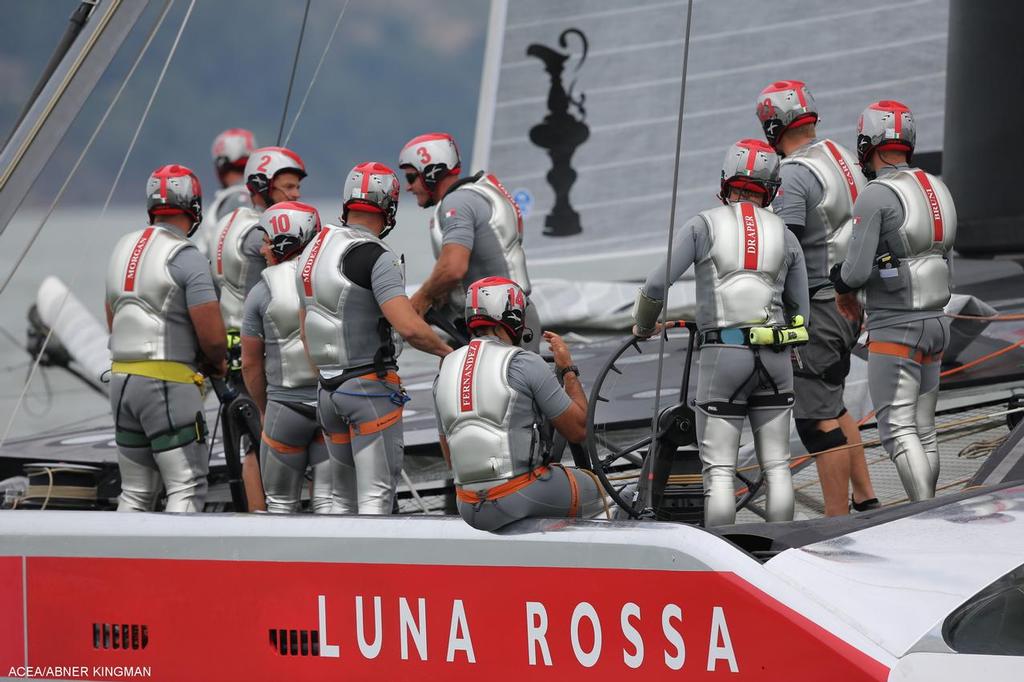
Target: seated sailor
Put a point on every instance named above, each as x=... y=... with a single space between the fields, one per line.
x=750 y=274
x=490 y=399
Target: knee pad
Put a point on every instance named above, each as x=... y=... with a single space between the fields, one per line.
x=816 y=440
x=836 y=373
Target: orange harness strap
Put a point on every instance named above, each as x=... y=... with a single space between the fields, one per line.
x=574 y=493
x=378 y=424
x=901 y=351
x=340 y=438
x=499 y=491
x=283 y=448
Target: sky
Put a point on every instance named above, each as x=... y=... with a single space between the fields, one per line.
x=396 y=68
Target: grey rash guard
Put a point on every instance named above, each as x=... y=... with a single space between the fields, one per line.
x=464 y=217
x=539 y=394
x=191 y=273
x=692 y=244
x=800 y=194
x=251 y=246
x=237 y=197
x=254 y=323
x=878 y=214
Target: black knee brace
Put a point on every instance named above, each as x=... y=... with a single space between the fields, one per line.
x=816 y=440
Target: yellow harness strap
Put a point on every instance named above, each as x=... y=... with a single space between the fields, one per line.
x=165 y=370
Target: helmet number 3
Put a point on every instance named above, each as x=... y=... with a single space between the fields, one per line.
x=280 y=224
x=423 y=154
x=264 y=162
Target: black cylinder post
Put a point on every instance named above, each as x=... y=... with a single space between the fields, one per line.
x=984 y=101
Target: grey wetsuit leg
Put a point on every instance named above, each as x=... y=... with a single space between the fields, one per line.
x=904 y=393
x=341 y=471
x=320 y=464
x=289 y=436
x=372 y=463
x=729 y=372
x=153 y=409
x=549 y=496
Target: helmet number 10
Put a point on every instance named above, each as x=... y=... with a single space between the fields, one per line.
x=280 y=224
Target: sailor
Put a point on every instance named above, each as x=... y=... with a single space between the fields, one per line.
x=904 y=225
x=491 y=398
x=819 y=185
x=230 y=153
x=476 y=230
x=752 y=303
x=277 y=371
x=355 y=315
x=165 y=328
x=272 y=175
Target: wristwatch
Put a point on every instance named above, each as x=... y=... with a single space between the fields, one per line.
x=565 y=370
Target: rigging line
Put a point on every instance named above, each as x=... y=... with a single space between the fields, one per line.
x=291 y=80
x=106 y=205
x=88 y=146
x=316 y=73
x=663 y=333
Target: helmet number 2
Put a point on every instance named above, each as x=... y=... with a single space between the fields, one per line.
x=423 y=154
x=264 y=162
x=280 y=224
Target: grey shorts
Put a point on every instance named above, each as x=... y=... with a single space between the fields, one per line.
x=153 y=408
x=826 y=362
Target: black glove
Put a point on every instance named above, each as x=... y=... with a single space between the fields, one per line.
x=835 y=276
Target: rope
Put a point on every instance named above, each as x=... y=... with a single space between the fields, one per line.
x=671 y=233
x=88 y=146
x=316 y=73
x=415 y=495
x=291 y=79
x=106 y=205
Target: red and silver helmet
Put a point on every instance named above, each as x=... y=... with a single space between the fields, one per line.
x=263 y=166
x=432 y=156
x=496 y=301
x=887 y=124
x=753 y=166
x=290 y=225
x=231 y=150
x=174 y=190
x=372 y=187
x=784 y=105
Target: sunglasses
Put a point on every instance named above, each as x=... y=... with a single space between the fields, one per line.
x=410 y=177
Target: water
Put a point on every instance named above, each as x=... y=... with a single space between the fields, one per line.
x=75 y=245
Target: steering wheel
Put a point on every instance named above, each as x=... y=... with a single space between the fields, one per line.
x=671 y=461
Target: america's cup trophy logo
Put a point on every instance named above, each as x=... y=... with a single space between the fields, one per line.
x=560 y=134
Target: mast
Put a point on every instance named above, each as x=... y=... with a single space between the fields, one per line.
x=58 y=103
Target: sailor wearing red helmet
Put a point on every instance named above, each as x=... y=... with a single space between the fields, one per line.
x=904 y=226
x=272 y=175
x=490 y=399
x=165 y=327
x=476 y=230
x=277 y=371
x=752 y=302
x=230 y=152
x=819 y=183
x=355 y=316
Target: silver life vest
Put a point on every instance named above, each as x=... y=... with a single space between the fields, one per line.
x=474 y=403
x=842 y=182
x=507 y=224
x=139 y=292
x=205 y=237
x=740 y=280
x=345 y=327
x=230 y=267
x=283 y=317
x=922 y=281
